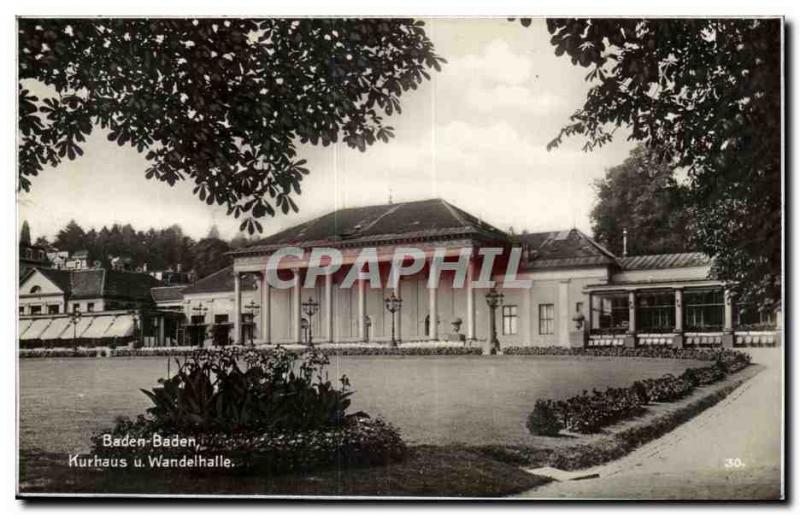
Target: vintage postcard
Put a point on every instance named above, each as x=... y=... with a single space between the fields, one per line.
x=505 y=258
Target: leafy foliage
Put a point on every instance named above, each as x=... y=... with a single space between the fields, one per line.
x=642 y=196
x=25 y=233
x=362 y=442
x=590 y=412
x=221 y=102
x=707 y=94
x=210 y=392
x=160 y=249
x=543 y=420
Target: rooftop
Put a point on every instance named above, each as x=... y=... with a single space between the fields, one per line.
x=221 y=281
x=98 y=282
x=425 y=219
x=656 y=261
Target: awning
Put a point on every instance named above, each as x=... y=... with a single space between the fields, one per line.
x=23 y=326
x=122 y=326
x=56 y=328
x=36 y=328
x=83 y=324
x=98 y=327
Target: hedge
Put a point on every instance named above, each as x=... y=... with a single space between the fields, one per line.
x=363 y=442
x=700 y=354
x=344 y=350
x=589 y=413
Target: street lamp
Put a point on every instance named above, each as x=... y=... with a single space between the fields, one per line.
x=135 y=317
x=200 y=329
x=493 y=299
x=252 y=307
x=310 y=309
x=74 y=318
x=393 y=304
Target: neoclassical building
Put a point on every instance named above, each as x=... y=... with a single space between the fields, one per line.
x=579 y=293
x=574 y=292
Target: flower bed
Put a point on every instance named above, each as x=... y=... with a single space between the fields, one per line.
x=589 y=413
x=362 y=441
x=330 y=350
x=273 y=411
x=701 y=354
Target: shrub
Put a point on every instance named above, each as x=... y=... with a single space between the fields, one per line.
x=274 y=411
x=361 y=441
x=544 y=419
x=668 y=388
x=701 y=354
x=589 y=413
x=211 y=392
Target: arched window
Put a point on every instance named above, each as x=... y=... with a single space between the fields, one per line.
x=36 y=289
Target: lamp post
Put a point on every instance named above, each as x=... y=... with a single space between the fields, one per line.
x=393 y=304
x=493 y=299
x=310 y=309
x=201 y=311
x=74 y=318
x=135 y=317
x=252 y=307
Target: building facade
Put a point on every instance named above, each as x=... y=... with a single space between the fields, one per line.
x=580 y=294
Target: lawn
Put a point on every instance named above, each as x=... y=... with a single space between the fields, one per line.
x=445 y=407
x=435 y=400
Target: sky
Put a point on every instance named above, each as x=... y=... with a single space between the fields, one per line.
x=474 y=135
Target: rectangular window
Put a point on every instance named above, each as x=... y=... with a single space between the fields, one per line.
x=748 y=317
x=36 y=310
x=76 y=307
x=220 y=319
x=52 y=310
x=546 y=318
x=704 y=310
x=610 y=313
x=509 y=319
x=90 y=307
x=22 y=310
x=655 y=312
x=198 y=319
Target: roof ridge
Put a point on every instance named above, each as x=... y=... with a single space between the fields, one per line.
x=454 y=212
x=392 y=209
x=591 y=240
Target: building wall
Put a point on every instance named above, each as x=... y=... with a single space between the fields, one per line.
x=48 y=294
x=664 y=274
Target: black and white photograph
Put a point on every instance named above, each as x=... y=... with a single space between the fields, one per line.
x=516 y=258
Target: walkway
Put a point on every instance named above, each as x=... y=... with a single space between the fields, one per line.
x=730 y=451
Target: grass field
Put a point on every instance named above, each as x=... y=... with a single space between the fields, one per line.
x=472 y=400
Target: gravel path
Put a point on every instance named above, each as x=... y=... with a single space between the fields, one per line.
x=730 y=451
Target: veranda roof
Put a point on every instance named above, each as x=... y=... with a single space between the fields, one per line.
x=83 y=324
x=98 y=327
x=122 y=326
x=56 y=328
x=36 y=328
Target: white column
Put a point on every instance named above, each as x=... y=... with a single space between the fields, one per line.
x=398 y=317
x=433 y=333
x=678 y=310
x=237 y=308
x=470 y=301
x=525 y=317
x=563 y=313
x=266 y=310
x=329 y=307
x=296 y=313
x=728 y=325
x=362 y=310
x=161 y=338
x=632 y=312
